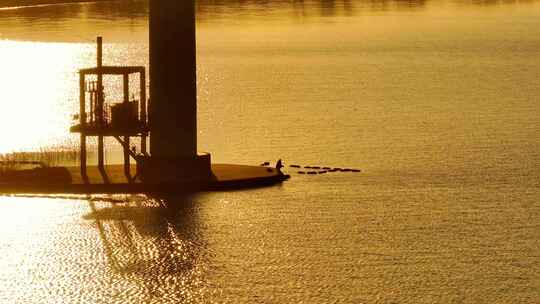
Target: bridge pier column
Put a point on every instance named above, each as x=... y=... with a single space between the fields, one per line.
x=173 y=93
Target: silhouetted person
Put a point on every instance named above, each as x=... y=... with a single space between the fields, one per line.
x=279 y=165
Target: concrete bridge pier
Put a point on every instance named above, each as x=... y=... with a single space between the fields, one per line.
x=173 y=95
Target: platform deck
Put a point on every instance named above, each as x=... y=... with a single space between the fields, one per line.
x=69 y=180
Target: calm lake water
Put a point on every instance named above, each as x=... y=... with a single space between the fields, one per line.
x=438 y=102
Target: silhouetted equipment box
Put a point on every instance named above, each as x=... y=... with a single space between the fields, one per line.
x=125 y=116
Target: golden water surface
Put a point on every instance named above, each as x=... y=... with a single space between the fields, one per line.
x=436 y=101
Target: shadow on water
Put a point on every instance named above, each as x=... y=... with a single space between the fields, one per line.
x=154 y=243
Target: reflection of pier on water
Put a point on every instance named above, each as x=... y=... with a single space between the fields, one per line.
x=153 y=243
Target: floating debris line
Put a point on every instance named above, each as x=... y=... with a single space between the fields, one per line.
x=323 y=169
x=315 y=170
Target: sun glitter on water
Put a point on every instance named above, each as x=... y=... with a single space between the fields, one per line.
x=28 y=120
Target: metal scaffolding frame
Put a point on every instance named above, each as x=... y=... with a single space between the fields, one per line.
x=124 y=120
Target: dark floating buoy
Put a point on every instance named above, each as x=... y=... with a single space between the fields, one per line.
x=322 y=172
x=356 y=170
x=337 y=169
x=312 y=172
x=308 y=167
x=301 y=172
x=315 y=167
x=326 y=168
x=294 y=166
x=345 y=170
x=265 y=164
x=332 y=170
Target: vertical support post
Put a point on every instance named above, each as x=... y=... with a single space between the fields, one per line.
x=126 y=147
x=83 y=156
x=82 y=123
x=126 y=87
x=127 y=171
x=92 y=105
x=142 y=79
x=99 y=108
x=99 y=64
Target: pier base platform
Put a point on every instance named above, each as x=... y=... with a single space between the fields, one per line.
x=69 y=180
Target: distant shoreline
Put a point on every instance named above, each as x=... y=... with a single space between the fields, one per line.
x=6 y=4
